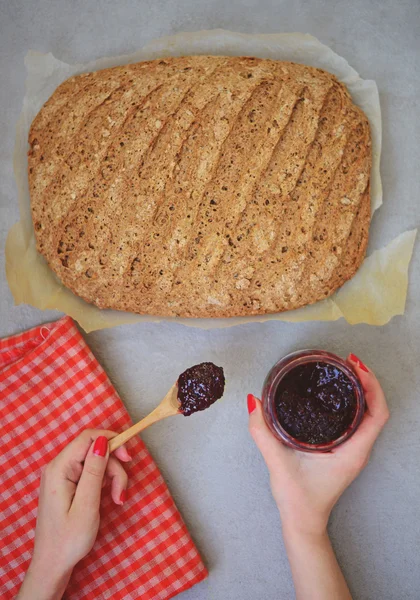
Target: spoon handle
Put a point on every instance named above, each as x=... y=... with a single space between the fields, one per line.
x=123 y=437
x=167 y=408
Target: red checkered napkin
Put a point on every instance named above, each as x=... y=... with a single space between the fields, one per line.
x=51 y=388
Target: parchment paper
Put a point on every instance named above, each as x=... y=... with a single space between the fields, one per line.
x=376 y=293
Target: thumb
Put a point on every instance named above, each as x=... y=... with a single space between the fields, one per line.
x=273 y=451
x=89 y=487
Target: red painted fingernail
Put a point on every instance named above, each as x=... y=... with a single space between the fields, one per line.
x=359 y=363
x=100 y=446
x=123 y=496
x=252 y=404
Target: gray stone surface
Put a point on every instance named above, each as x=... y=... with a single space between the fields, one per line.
x=213 y=470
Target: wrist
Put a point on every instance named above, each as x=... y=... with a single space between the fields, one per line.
x=303 y=521
x=293 y=534
x=44 y=581
x=304 y=529
x=300 y=542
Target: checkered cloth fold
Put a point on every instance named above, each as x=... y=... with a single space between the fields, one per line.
x=51 y=388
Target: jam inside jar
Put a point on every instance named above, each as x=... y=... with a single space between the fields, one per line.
x=312 y=400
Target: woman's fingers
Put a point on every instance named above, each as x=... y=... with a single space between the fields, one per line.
x=122 y=454
x=85 y=461
x=89 y=487
x=72 y=456
x=376 y=415
x=375 y=398
x=273 y=451
x=377 y=412
x=119 y=479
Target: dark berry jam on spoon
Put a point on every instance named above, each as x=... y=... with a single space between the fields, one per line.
x=197 y=388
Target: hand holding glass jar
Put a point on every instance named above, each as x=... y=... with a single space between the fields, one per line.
x=306 y=485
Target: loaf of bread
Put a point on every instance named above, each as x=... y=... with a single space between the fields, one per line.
x=201 y=186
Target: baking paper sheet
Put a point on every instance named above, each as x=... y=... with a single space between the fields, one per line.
x=375 y=294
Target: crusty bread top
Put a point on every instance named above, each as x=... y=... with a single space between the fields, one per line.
x=201 y=186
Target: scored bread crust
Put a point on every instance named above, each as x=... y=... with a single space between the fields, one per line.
x=201 y=186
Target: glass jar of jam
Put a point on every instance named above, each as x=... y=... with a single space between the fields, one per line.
x=312 y=400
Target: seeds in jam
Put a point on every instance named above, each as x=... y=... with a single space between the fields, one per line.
x=315 y=402
x=199 y=387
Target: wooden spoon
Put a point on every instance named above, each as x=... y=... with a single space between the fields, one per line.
x=196 y=389
x=168 y=407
